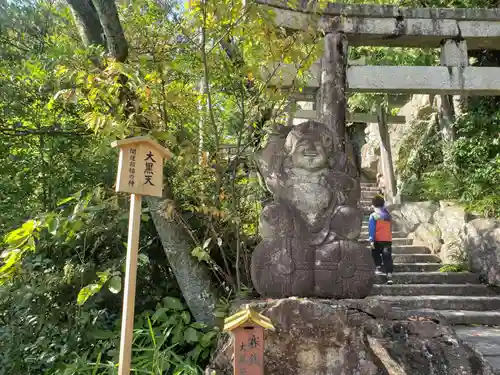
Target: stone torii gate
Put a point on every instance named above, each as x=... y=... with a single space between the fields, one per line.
x=454 y=31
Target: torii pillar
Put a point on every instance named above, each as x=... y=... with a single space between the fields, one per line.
x=332 y=100
x=333 y=87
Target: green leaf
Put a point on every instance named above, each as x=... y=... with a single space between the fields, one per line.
x=191 y=335
x=201 y=254
x=102 y=334
x=53 y=225
x=115 y=284
x=87 y=292
x=66 y=200
x=159 y=314
x=177 y=334
x=198 y=325
x=220 y=314
x=207 y=338
x=173 y=319
x=173 y=303
x=103 y=276
x=186 y=317
x=143 y=259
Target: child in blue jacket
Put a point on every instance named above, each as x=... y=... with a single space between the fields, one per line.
x=380 y=236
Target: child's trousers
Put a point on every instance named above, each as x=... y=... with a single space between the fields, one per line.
x=383 y=253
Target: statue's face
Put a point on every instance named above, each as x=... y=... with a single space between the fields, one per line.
x=309 y=154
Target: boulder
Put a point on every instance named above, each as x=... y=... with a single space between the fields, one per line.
x=481 y=238
x=418 y=108
x=408 y=216
x=362 y=337
x=451 y=219
x=427 y=234
x=416 y=213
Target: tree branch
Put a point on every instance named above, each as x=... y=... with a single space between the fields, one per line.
x=23 y=133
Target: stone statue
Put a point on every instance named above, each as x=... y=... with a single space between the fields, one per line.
x=309 y=231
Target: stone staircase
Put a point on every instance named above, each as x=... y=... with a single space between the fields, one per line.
x=418 y=284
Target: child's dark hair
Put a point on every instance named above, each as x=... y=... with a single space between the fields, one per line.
x=378 y=201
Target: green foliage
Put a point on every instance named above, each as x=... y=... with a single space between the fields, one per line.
x=63 y=286
x=471 y=173
x=165 y=341
x=454 y=268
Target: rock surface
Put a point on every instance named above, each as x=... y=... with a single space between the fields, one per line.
x=356 y=337
x=416 y=213
x=428 y=235
x=420 y=107
x=485 y=340
x=451 y=219
x=370 y=151
x=481 y=238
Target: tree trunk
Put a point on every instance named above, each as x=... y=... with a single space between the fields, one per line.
x=115 y=38
x=193 y=278
x=87 y=22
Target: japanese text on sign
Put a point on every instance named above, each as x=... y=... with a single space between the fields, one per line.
x=131 y=167
x=148 y=170
x=250 y=354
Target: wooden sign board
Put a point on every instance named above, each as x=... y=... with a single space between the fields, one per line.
x=249 y=350
x=247 y=326
x=140 y=166
x=140 y=172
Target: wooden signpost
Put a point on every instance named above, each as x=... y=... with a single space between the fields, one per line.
x=140 y=172
x=247 y=327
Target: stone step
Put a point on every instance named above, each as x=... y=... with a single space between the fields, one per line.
x=485 y=340
x=368 y=194
x=415 y=258
x=396 y=234
x=430 y=278
x=409 y=250
x=467 y=317
x=395 y=241
x=375 y=190
x=443 y=302
x=417 y=267
x=433 y=289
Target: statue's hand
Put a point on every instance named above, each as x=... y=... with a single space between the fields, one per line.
x=283 y=262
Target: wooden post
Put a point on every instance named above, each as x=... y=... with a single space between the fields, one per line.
x=127 y=331
x=386 y=155
x=140 y=172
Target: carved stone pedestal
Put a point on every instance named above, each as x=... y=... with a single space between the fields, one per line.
x=354 y=337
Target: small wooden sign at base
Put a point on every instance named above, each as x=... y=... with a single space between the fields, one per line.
x=140 y=172
x=247 y=326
